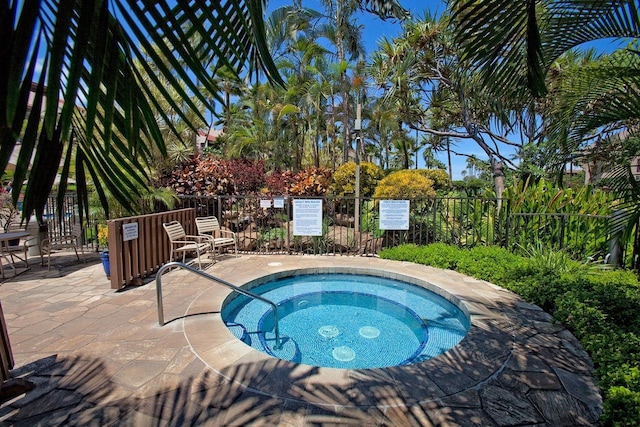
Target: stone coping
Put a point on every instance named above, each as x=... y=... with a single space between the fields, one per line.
x=513 y=352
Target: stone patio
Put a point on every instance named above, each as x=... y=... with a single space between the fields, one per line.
x=99 y=357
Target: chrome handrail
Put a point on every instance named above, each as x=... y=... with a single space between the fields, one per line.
x=215 y=279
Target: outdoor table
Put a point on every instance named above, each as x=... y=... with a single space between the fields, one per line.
x=5 y=238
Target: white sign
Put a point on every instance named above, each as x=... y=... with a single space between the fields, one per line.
x=394 y=214
x=278 y=202
x=307 y=217
x=129 y=231
x=265 y=203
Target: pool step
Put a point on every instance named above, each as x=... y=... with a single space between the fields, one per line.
x=239 y=331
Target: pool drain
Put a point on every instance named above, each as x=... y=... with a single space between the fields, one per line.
x=343 y=354
x=369 y=332
x=329 y=331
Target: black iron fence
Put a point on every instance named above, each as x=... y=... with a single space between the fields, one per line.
x=266 y=225
x=68 y=222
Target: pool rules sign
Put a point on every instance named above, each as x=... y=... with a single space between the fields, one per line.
x=394 y=214
x=307 y=217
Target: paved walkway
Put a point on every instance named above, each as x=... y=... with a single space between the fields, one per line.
x=99 y=357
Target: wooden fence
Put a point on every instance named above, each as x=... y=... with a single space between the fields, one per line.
x=141 y=256
x=5 y=350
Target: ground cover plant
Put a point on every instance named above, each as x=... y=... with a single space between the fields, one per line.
x=600 y=307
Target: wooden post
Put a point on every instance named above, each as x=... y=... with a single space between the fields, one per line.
x=6 y=356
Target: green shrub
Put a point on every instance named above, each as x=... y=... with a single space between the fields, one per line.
x=621 y=408
x=600 y=307
x=538 y=287
x=267 y=235
x=491 y=263
x=437 y=255
x=544 y=259
x=440 y=178
x=614 y=293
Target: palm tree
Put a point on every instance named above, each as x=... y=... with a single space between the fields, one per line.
x=437 y=96
x=87 y=51
x=346 y=36
x=514 y=44
x=88 y=102
x=230 y=85
x=515 y=47
x=393 y=68
x=382 y=126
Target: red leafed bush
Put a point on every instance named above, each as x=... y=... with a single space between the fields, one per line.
x=278 y=183
x=248 y=175
x=201 y=176
x=311 y=182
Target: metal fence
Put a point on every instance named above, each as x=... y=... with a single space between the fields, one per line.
x=462 y=221
x=262 y=227
x=66 y=223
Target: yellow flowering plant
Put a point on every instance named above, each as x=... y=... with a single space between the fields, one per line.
x=103 y=236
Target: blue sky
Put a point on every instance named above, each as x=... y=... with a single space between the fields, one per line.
x=374 y=27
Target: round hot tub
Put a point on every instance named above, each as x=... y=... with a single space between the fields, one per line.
x=349 y=321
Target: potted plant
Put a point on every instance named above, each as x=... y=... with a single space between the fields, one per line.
x=103 y=242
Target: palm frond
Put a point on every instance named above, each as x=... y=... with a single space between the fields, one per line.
x=515 y=43
x=92 y=51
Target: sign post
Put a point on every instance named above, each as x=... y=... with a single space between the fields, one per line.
x=358 y=128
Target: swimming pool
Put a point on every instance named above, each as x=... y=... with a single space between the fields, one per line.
x=347 y=321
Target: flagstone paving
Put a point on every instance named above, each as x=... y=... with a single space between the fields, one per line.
x=98 y=357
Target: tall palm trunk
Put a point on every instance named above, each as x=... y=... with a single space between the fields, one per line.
x=227 y=107
x=346 y=145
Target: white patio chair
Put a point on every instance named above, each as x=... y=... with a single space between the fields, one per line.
x=18 y=249
x=59 y=240
x=184 y=243
x=219 y=238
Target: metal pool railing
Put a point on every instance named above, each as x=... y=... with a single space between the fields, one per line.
x=217 y=280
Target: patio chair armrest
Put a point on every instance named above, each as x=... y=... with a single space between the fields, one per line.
x=31 y=240
x=199 y=238
x=62 y=240
x=227 y=232
x=188 y=241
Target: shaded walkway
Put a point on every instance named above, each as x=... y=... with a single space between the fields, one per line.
x=98 y=357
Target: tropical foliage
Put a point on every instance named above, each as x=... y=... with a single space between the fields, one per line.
x=311 y=182
x=87 y=54
x=439 y=177
x=82 y=83
x=344 y=179
x=600 y=307
x=405 y=184
x=518 y=50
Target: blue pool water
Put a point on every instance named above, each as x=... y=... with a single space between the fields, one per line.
x=347 y=321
